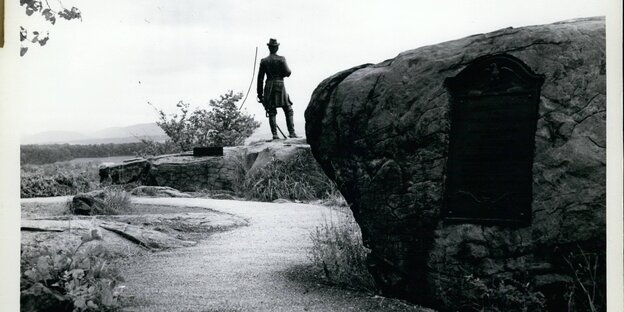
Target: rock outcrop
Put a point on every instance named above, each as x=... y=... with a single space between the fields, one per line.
x=87 y=203
x=188 y=173
x=382 y=133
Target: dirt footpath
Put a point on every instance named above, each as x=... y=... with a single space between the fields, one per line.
x=260 y=267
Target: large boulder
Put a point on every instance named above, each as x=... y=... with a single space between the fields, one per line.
x=382 y=133
x=88 y=203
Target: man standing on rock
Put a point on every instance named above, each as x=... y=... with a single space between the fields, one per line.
x=274 y=95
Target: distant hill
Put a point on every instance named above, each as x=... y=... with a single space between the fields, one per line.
x=51 y=137
x=140 y=130
x=131 y=134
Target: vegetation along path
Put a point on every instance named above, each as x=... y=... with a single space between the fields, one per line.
x=260 y=267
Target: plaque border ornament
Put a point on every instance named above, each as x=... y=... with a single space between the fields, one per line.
x=497 y=76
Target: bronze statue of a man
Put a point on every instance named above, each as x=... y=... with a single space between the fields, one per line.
x=274 y=95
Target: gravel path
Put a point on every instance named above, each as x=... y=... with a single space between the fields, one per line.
x=259 y=267
x=251 y=268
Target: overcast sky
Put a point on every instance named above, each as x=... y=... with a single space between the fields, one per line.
x=101 y=72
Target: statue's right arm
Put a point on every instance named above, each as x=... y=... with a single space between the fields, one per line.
x=287 y=71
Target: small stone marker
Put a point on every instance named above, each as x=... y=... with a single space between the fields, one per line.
x=208 y=151
x=494 y=105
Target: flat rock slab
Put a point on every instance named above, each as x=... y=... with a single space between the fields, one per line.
x=151 y=231
x=145 y=237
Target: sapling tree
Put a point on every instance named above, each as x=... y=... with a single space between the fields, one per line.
x=221 y=124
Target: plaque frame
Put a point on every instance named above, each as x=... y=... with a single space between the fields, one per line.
x=494 y=105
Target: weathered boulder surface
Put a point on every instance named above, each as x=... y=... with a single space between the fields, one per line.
x=188 y=173
x=131 y=170
x=382 y=133
x=86 y=203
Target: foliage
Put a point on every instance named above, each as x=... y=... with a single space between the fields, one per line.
x=116 y=201
x=297 y=178
x=222 y=125
x=501 y=295
x=50 y=153
x=338 y=252
x=81 y=279
x=58 y=179
x=49 y=14
x=586 y=292
x=152 y=148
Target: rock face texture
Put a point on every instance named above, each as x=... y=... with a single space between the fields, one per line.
x=187 y=173
x=382 y=133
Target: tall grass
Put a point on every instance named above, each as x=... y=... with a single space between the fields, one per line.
x=338 y=253
x=586 y=292
x=297 y=178
x=116 y=201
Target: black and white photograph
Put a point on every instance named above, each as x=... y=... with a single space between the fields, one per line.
x=229 y=156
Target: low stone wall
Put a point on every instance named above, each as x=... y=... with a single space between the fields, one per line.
x=187 y=173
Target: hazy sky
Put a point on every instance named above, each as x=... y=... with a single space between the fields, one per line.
x=101 y=72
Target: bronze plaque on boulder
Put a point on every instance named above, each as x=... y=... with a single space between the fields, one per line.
x=494 y=106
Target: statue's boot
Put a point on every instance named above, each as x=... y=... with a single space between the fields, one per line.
x=291 y=125
x=273 y=125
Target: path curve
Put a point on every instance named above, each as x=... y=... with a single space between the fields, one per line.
x=242 y=269
x=249 y=268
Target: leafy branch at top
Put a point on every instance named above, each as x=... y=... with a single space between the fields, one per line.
x=33 y=6
x=50 y=15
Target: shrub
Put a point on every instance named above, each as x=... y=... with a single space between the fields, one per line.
x=58 y=179
x=222 y=125
x=338 y=253
x=56 y=185
x=298 y=178
x=81 y=279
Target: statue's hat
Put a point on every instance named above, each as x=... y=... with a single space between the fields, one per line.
x=273 y=43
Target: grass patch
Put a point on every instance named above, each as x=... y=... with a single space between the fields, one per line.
x=298 y=178
x=338 y=253
x=116 y=201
